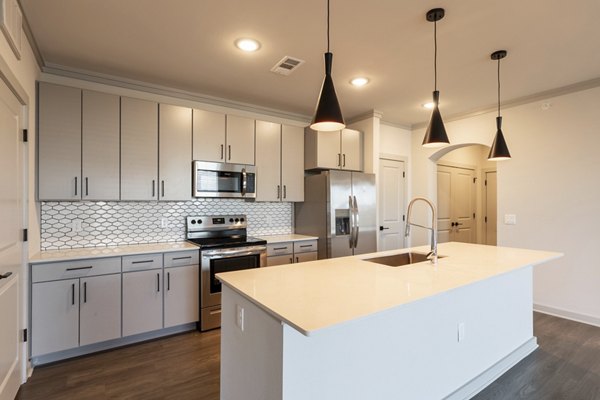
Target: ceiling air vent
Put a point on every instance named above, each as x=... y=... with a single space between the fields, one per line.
x=286 y=65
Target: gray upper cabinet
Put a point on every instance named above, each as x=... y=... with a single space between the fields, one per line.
x=333 y=150
x=100 y=146
x=222 y=138
x=139 y=149
x=279 y=162
x=209 y=136
x=59 y=141
x=175 y=153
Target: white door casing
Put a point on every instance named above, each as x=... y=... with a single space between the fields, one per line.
x=392 y=204
x=491 y=217
x=11 y=248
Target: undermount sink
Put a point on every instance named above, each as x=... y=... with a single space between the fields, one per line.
x=398 y=260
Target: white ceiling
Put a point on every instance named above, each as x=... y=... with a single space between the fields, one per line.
x=188 y=45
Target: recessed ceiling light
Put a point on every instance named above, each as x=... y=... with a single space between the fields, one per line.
x=359 y=81
x=247 y=45
x=428 y=106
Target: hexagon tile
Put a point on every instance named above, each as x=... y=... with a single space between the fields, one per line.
x=66 y=225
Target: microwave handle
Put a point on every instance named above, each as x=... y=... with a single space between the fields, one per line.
x=244 y=181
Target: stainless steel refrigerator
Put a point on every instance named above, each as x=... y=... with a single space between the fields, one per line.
x=340 y=208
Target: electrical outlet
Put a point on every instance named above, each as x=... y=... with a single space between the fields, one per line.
x=239 y=317
x=461 y=332
x=269 y=220
x=76 y=225
x=164 y=222
x=510 y=219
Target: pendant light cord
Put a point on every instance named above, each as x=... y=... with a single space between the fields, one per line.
x=434 y=54
x=498 y=87
x=328 y=26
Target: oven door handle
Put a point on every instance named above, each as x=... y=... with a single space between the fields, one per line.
x=248 y=251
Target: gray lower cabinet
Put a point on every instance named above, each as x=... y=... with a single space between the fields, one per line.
x=181 y=295
x=139 y=149
x=291 y=252
x=75 y=303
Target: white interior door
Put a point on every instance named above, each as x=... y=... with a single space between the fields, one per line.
x=490 y=208
x=456 y=204
x=11 y=249
x=391 y=204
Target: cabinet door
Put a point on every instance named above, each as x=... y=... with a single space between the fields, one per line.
x=280 y=260
x=352 y=150
x=100 y=146
x=328 y=150
x=181 y=295
x=175 y=154
x=142 y=301
x=268 y=161
x=240 y=140
x=209 y=136
x=292 y=163
x=99 y=309
x=139 y=149
x=303 y=257
x=54 y=316
x=59 y=162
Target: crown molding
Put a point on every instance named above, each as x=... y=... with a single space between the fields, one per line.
x=395 y=125
x=31 y=39
x=366 y=115
x=575 y=87
x=132 y=84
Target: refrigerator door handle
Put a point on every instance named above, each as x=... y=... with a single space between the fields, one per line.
x=356 y=223
x=351 y=217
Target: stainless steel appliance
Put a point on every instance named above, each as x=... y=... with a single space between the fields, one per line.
x=224 y=180
x=224 y=247
x=340 y=208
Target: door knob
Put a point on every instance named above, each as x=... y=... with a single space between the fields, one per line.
x=382 y=228
x=452 y=224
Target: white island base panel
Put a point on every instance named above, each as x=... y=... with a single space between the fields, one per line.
x=447 y=346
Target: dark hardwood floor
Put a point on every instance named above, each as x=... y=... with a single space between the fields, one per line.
x=186 y=366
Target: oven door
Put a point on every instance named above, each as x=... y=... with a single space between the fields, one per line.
x=224 y=180
x=215 y=261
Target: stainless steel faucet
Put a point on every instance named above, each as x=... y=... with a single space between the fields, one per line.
x=433 y=229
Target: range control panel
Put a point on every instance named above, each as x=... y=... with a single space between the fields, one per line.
x=216 y=222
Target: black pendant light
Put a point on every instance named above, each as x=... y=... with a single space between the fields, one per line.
x=328 y=115
x=499 y=150
x=435 y=136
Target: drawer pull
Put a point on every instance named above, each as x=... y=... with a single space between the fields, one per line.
x=142 y=262
x=215 y=312
x=182 y=258
x=306 y=245
x=280 y=248
x=78 y=268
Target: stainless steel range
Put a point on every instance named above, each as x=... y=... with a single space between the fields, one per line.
x=224 y=247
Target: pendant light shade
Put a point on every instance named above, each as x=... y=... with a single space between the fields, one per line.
x=499 y=150
x=435 y=136
x=328 y=115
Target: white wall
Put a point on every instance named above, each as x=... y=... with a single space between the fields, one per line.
x=394 y=140
x=550 y=185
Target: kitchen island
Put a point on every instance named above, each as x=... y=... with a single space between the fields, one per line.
x=347 y=328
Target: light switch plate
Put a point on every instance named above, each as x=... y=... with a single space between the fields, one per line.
x=510 y=219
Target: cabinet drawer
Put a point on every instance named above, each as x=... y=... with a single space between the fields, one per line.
x=305 y=246
x=142 y=262
x=279 y=260
x=75 y=269
x=304 y=257
x=278 y=249
x=181 y=258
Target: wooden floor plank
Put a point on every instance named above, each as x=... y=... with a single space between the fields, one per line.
x=186 y=366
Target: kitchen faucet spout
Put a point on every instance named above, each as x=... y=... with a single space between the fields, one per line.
x=433 y=228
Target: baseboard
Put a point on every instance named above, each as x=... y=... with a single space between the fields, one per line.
x=561 y=313
x=111 y=344
x=479 y=383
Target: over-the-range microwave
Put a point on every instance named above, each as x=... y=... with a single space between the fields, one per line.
x=224 y=180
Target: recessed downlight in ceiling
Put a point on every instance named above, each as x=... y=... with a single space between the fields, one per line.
x=359 y=81
x=248 y=45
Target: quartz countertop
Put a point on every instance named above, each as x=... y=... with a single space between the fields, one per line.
x=287 y=238
x=315 y=295
x=108 y=251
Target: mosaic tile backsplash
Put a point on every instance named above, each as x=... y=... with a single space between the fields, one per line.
x=66 y=225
